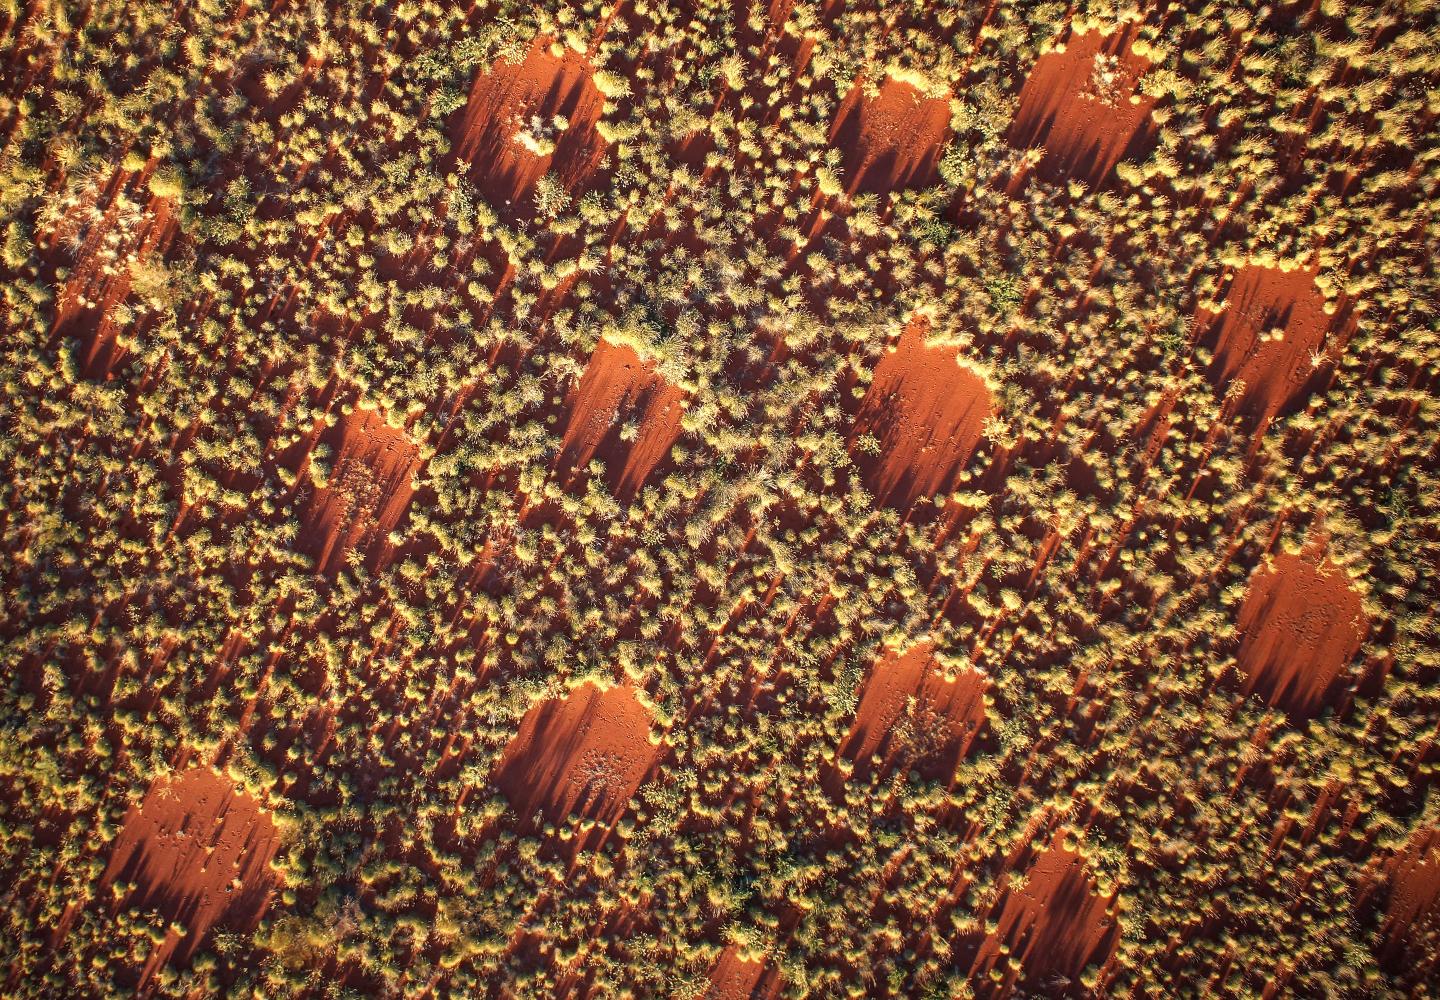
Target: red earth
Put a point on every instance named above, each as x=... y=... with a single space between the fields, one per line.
x=618 y=387
x=1300 y=625
x=908 y=699
x=892 y=140
x=112 y=244
x=197 y=850
x=503 y=105
x=735 y=978
x=367 y=491
x=1261 y=300
x=585 y=754
x=1056 y=925
x=1077 y=104
x=1411 y=928
x=928 y=412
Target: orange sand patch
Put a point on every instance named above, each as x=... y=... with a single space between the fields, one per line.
x=619 y=387
x=907 y=699
x=736 y=978
x=585 y=754
x=1411 y=931
x=367 y=490
x=779 y=12
x=1077 y=104
x=1261 y=300
x=928 y=413
x=1300 y=625
x=514 y=100
x=110 y=244
x=1057 y=924
x=199 y=852
x=892 y=140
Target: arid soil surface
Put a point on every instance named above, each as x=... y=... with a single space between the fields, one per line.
x=928 y=411
x=1082 y=105
x=738 y=978
x=366 y=490
x=1270 y=336
x=893 y=139
x=113 y=232
x=1301 y=625
x=1055 y=925
x=913 y=709
x=618 y=390
x=509 y=132
x=199 y=851
x=584 y=754
x=1412 y=915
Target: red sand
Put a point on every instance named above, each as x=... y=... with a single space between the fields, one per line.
x=1057 y=924
x=199 y=852
x=619 y=386
x=1300 y=625
x=734 y=978
x=892 y=140
x=501 y=105
x=113 y=243
x=367 y=491
x=1084 y=123
x=928 y=412
x=1411 y=931
x=946 y=718
x=1260 y=299
x=586 y=754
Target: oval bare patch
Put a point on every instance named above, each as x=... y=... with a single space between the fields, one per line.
x=198 y=850
x=585 y=754
x=1081 y=105
x=1300 y=624
x=927 y=412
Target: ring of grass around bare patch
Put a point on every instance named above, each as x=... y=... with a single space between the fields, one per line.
x=523 y=119
x=1410 y=931
x=1055 y=926
x=117 y=234
x=739 y=977
x=1270 y=336
x=911 y=711
x=841 y=500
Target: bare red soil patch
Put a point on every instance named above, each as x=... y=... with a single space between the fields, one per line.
x=1301 y=623
x=892 y=140
x=1411 y=929
x=366 y=492
x=1079 y=105
x=585 y=754
x=737 y=978
x=911 y=708
x=198 y=851
x=508 y=128
x=114 y=241
x=928 y=412
x=618 y=388
x=1268 y=336
x=1056 y=924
